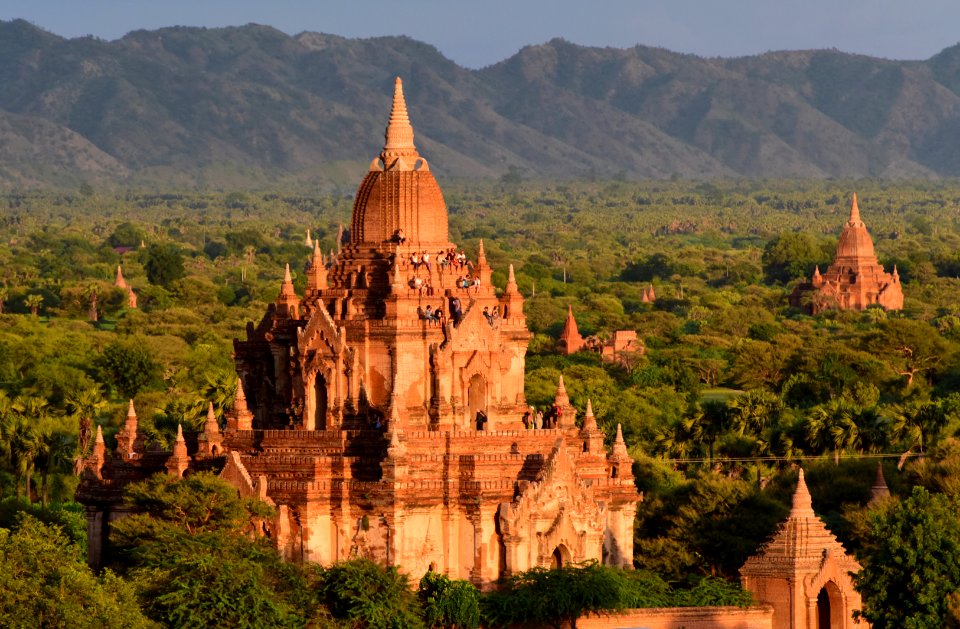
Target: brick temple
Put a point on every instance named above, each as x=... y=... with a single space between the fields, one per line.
x=381 y=411
x=855 y=280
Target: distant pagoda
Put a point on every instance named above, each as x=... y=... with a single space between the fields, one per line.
x=855 y=280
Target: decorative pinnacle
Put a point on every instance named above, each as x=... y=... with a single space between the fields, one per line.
x=239 y=397
x=481 y=255
x=589 y=421
x=399 y=133
x=855 y=211
x=131 y=412
x=99 y=438
x=286 y=289
x=211 y=426
x=180 y=433
x=619 y=438
x=802 y=502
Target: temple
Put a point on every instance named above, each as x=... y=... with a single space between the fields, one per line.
x=855 y=280
x=804 y=573
x=381 y=411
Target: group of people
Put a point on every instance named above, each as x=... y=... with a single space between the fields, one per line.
x=424 y=287
x=431 y=315
x=491 y=317
x=536 y=419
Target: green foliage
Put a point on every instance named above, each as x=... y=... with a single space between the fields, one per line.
x=790 y=256
x=128 y=364
x=163 y=264
x=911 y=563
x=188 y=553
x=448 y=603
x=126 y=235
x=361 y=593
x=558 y=597
x=45 y=582
x=555 y=597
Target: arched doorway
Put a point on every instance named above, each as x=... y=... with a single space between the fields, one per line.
x=829 y=607
x=320 y=398
x=560 y=557
x=476 y=400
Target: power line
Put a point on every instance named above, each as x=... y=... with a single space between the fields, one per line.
x=821 y=457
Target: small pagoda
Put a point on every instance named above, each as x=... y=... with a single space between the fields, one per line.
x=803 y=572
x=855 y=280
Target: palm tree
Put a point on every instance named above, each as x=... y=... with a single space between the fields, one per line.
x=55 y=452
x=23 y=450
x=218 y=388
x=753 y=411
x=830 y=426
x=91 y=294
x=917 y=424
x=28 y=411
x=85 y=405
x=33 y=302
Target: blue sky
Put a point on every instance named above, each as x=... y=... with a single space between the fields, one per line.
x=481 y=32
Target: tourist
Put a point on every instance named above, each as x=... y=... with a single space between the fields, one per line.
x=538 y=420
x=456 y=311
x=428 y=315
x=487 y=315
x=420 y=313
x=527 y=420
x=426 y=260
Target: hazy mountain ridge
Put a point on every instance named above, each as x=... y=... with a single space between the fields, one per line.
x=250 y=105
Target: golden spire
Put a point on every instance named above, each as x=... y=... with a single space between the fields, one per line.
x=854 y=211
x=399 y=133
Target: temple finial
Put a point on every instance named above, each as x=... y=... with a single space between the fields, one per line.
x=131 y=411
x=239 y=397
x=399 y=134
x=99 y=438
x=589 y=421
x=802 y=502
x=854 y=211
x=180 y=433
x=287 y=279
x=481 y=254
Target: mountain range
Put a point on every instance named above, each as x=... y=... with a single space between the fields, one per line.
x=251 y=106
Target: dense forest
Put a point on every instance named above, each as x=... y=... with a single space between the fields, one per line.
x=734 y=389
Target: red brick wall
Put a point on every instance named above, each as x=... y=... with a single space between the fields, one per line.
x=760 y=617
